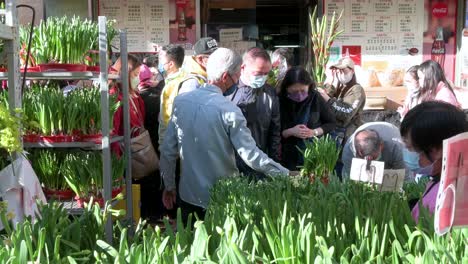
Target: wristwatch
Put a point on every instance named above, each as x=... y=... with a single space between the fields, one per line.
x=316 y=132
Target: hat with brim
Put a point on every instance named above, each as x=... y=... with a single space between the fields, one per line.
x=343 y=63
x=205 y=46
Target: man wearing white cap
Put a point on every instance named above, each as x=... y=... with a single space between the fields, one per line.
x=347 y=100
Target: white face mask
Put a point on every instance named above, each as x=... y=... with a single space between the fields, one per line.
x=345 y=78
x=134 y=82
x=257 y=81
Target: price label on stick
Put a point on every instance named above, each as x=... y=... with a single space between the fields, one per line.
x=372 y=173
x=375 y=173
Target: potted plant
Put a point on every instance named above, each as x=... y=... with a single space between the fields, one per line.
x=48 y=166
x=61 y=44
x=83 y=172
x=320 y=157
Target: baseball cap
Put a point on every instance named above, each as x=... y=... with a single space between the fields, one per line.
x=345 y=62
x=205 y=46
x=145 y=73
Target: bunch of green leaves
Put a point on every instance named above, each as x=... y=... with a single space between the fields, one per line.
x=83 y=171
x=320 y=157
x=415 y=190
x=322 y=39
x=45 y=108
x=272 y=78
x=345 y=223
x=49 y=112
x=55 y=237
x=10 y=130
x=65 y=40
x=47 y=164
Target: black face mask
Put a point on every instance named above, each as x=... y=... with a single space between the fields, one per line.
x=230 y=90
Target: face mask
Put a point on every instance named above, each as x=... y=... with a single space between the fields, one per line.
x=257 y=81
x=411 y=159
x=298 y=97
x=425 y=170
x=412 y=88
x=161 y=69
x=230 y=90
x=134 y=82
x=345 y=78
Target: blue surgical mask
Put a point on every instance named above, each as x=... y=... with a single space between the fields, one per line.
x=161 y=69
x=257 y=81
x=411 y=159
x=425 y=170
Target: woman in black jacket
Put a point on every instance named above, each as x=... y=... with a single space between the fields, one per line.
x=304 y=115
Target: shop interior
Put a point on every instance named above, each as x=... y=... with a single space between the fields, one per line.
x=269 y=23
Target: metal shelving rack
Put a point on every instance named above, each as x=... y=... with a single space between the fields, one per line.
x=9 y=32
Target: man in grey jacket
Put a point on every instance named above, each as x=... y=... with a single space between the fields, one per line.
x=379 y=141
x=206 y=130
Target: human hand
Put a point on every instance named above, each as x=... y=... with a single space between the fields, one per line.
x=310 y=132
x=324 y=94
x=169 y=198
x=300 y=131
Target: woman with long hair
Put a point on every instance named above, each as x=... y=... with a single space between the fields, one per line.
x=304 y=115
x=411 y=82
x=433 y=84
x=136 y=104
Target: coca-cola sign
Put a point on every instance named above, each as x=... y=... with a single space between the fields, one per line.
x=440 y=10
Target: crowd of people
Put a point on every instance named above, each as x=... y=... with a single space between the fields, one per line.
x=216 y=114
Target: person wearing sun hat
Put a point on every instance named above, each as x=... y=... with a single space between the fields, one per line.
x=195 y=66
x=346 y=98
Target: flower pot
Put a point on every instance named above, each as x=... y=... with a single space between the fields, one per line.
x=93 y=68
x=32 y=69
x=76 y=136
x=62 y=67
x=56 y=139
x=325 y=180
x=80 y=201
x=58 y=194
x=96 y=138
x=31 y=138
x=116 y=191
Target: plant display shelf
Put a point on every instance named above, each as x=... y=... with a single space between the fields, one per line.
x=82 y=145
x=62 y=76
x=13 y=78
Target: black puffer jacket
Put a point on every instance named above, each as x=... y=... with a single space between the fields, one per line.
x=261 y=110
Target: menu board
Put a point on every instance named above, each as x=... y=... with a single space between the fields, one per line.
x=383 y=37
x=146 y=21
x=154 y=22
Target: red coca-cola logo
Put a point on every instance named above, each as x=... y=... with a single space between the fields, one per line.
x=440 y=10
